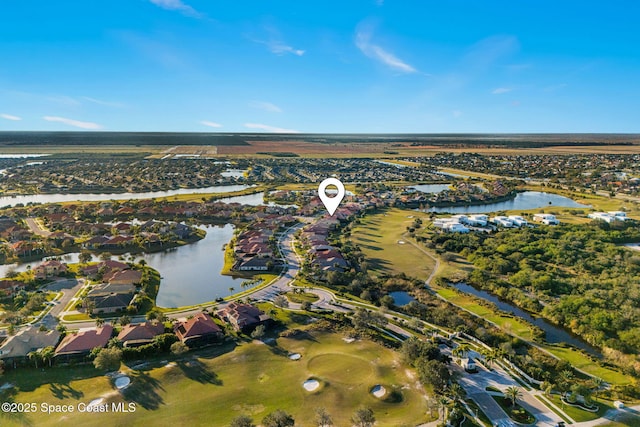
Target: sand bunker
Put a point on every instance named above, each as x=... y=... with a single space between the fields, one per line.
x=311 y=385
x=295 y=356
x=378 y=391
x=348 y=340
x=95 y=402
x=122 y=382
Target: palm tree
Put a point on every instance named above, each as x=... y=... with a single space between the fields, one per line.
x=34 y=356
x=461 y=350
x=513 y=394
x=443 y=402
x=597 y=384
x=566 y=377
x=47 y=354
x=455 y=391
x=99 y=322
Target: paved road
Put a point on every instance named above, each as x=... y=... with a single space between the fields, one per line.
x=35 y=227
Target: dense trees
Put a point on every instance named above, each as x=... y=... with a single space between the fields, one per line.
x=586 y=281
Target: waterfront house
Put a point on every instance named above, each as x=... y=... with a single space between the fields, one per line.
x=49 y=268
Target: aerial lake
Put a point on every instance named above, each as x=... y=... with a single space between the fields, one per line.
x=522 y=201
x=59 y=198
x=190 y=274
x=553 y=334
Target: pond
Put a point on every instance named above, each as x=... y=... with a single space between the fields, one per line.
x=553 y=334
x=59 y=198
x=191 y=273
x=401 y=298
x=430 y=188
x=522 y=201
x=233 y=173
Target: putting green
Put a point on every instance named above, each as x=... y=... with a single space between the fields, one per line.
x=341 y=368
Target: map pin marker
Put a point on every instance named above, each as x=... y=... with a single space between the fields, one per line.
x=331 y=203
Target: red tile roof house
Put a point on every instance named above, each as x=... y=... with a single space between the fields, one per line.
x=198 y=331
x=10 y=287
x=49 y=269
x=124 y=277
x=243 y=317
x=140 y=334
x=77 y=346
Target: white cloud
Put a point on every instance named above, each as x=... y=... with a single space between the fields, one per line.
x=104 y=103
x=210 y=124
x=280 y=48
x=10 y=117
x=178 y=6
x=74 y=123
x=373 y=51
x=266 y=106
x=501 y=90
x=275 y=44
x=268 y=128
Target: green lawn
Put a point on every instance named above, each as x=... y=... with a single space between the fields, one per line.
x=380 y=238
x=517 y=413
x=578 y=414
x=302 y=297
x=252 y=379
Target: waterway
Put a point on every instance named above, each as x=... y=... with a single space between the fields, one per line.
x=523 y=201
x=59 y=198
x=553 y=334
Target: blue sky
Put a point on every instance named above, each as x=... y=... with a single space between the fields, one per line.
x=332 y=66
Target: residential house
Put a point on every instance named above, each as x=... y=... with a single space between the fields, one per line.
x=253 y=264
x=243 y=317
x=547 y=219
x=16 y=348
x=123 y=277
x=111 y=298
x=10 y=287
x=49 y=269
x=140 y=334
x=198 y=330
x=80 y=344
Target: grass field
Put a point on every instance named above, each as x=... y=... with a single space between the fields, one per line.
x=253 y=379
x=379 y=235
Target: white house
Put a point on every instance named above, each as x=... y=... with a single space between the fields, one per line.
x=445 y=222
x=502 y=221
x=518 y=221
x=547 y=219
x=478 y=220
x=455 y=227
